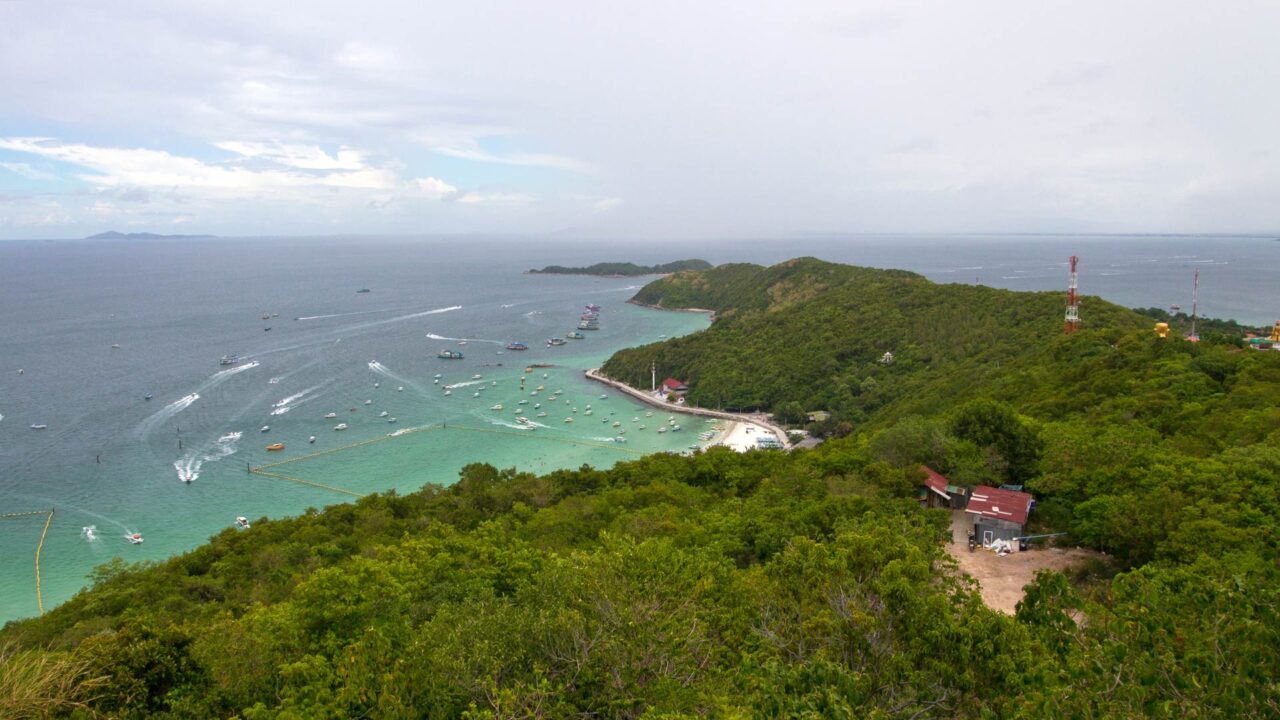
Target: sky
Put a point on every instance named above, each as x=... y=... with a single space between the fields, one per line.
x=638 y=119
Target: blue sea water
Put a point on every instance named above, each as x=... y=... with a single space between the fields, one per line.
x=115 y=461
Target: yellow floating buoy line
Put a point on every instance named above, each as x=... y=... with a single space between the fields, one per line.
x=39 y=546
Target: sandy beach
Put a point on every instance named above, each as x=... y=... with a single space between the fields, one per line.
x=741 y=435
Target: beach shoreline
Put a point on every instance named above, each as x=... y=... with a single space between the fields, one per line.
x=740 y=434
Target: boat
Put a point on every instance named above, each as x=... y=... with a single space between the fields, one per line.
x=330 y=416
x=475 y=394
x=522 y=420
x=448 y=392
x=619 y=439
x=449 y=355
x=649 y=414
x=266 y=316
x=617 y=424
x=265 y=428
x=568 y=420
x=400 y=389
x=437 y=376
x=537 y=405
x=542 y=414
x=586 y=412
x=39 y=426
x=496 y=407
x=555 y=342
x=523 y=402
x=588 y=407
x=585 y=325
x=640 y=428
x=593 y=307
x=462 y=343
x=115 y=346
x=675 y=428
x=147 y=396
x=662 y=429
x=544 y=376
x=229 y=360
x=477 y=376
x=368 y=402
x=391 y=420
x=517 y=346
x=362 y=290
x=340 y=426
x=265 y=329
x=575 y=335
x=275 y=447
x=604 y=397
x=242 y=522
x=312 y=439
x=384 y=413
x=377 y=385
x=134 y=538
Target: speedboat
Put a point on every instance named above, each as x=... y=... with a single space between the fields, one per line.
x=619 y=439
x=617 y=424
x=89 y=532
x=340 y=426
x=568 y=420
x=265 y=428
x=242 y=523
x=475 y=394
x=384 y=413
x=330 y=416
x=368 y=402
x=377 y=385
x=448 y=392
x=134 y=538
x=312 y=439
x=496 y=407
x=537 y=405
x=575 y=335
x=587 y=412
x=275 y=447
x=675 y=428
x=555 y=342
x=437 y=376
x=588 y=407
x=391 y=420
x=39 y=426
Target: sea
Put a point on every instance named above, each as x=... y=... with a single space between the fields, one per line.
x=115 y=346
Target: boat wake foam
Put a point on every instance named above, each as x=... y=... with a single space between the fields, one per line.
x=434 y=336
x=286 y=404
x=188 y=466
x=381 y=369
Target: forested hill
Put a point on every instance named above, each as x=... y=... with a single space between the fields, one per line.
x=816 y=333
x=624 y=269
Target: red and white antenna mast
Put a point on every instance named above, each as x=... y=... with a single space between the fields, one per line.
x=1073 y=302
x=1195 y=291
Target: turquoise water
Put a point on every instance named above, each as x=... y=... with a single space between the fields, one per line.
x=112 y=460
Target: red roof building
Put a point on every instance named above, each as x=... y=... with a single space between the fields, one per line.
x=1008 y=505
x=674 y=385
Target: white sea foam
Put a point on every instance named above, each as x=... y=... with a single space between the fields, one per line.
x=222 y=374
x=189 y=464
x=513 y=426
x=381 y=369
x=286 y=404
x=464 y=384
x=434 y=336
x=348 y=314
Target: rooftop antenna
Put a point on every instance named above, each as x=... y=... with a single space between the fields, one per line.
x=1195 y=290
x=1073 y=302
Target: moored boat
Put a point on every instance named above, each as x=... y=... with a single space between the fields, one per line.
x=517 y=346
x=449 y=355
x=340 y=426
x=242 y=522
x=275 y=447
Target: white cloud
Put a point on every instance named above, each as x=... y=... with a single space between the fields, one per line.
x=27 y=171
x=558 y=162
x=434 y=187
x=306 y=157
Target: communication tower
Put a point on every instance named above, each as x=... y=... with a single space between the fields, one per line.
x=1073 y=302
x=1195 y=291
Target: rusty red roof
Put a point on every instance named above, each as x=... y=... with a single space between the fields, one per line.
x=673 y=384
x=992 y=502
x=936 y=481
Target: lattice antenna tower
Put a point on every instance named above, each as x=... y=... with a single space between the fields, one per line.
x=1073 y=300
x=1195 y=292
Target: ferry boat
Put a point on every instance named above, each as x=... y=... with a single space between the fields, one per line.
x=575 y=335
x=242 y=522
x=449 y=355
x=517 y=346
x=555 y=342
x=275 y=447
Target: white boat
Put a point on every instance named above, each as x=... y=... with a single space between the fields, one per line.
x=496 y=407
x=475 y=377
x=437 y=376
x=544 y=376
x=39 y=426
x=662 y=429
x=537 y=405
x=242 y=522
x=522 y=420
x=134 y=538
x=617 y=424
x=588 y=407
x=604 y=397
x=523 y=402
x=265 y=428
x=330 y=416
x=391 y=420
x=640 y=428
x=115 y=346
x=435 y=382
x=311 y=439
x=400 y=389
x=448 y=392
x=541 y=387
x=649 y=414
x=384 y=413
x=491 y=382
x=588 y=412
x=475 y=394
x=376 y=386
x=542 y=414
x=340 y=426
x=675 y=428
x=568 y=420
x=368 y=402
x=619 y=439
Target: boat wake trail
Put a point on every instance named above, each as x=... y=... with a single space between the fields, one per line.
x=383 y=370
x=188 y=466
x=434 y=336
x=463 y=384
x=147 y=426
x=285 y=405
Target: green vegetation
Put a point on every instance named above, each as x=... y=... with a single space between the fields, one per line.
x=806 y=584
x=624 y=269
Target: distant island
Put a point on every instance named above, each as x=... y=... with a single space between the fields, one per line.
x=115 y=235
x=624 y=269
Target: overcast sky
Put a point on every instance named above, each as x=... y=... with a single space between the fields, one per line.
x=653 y=118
